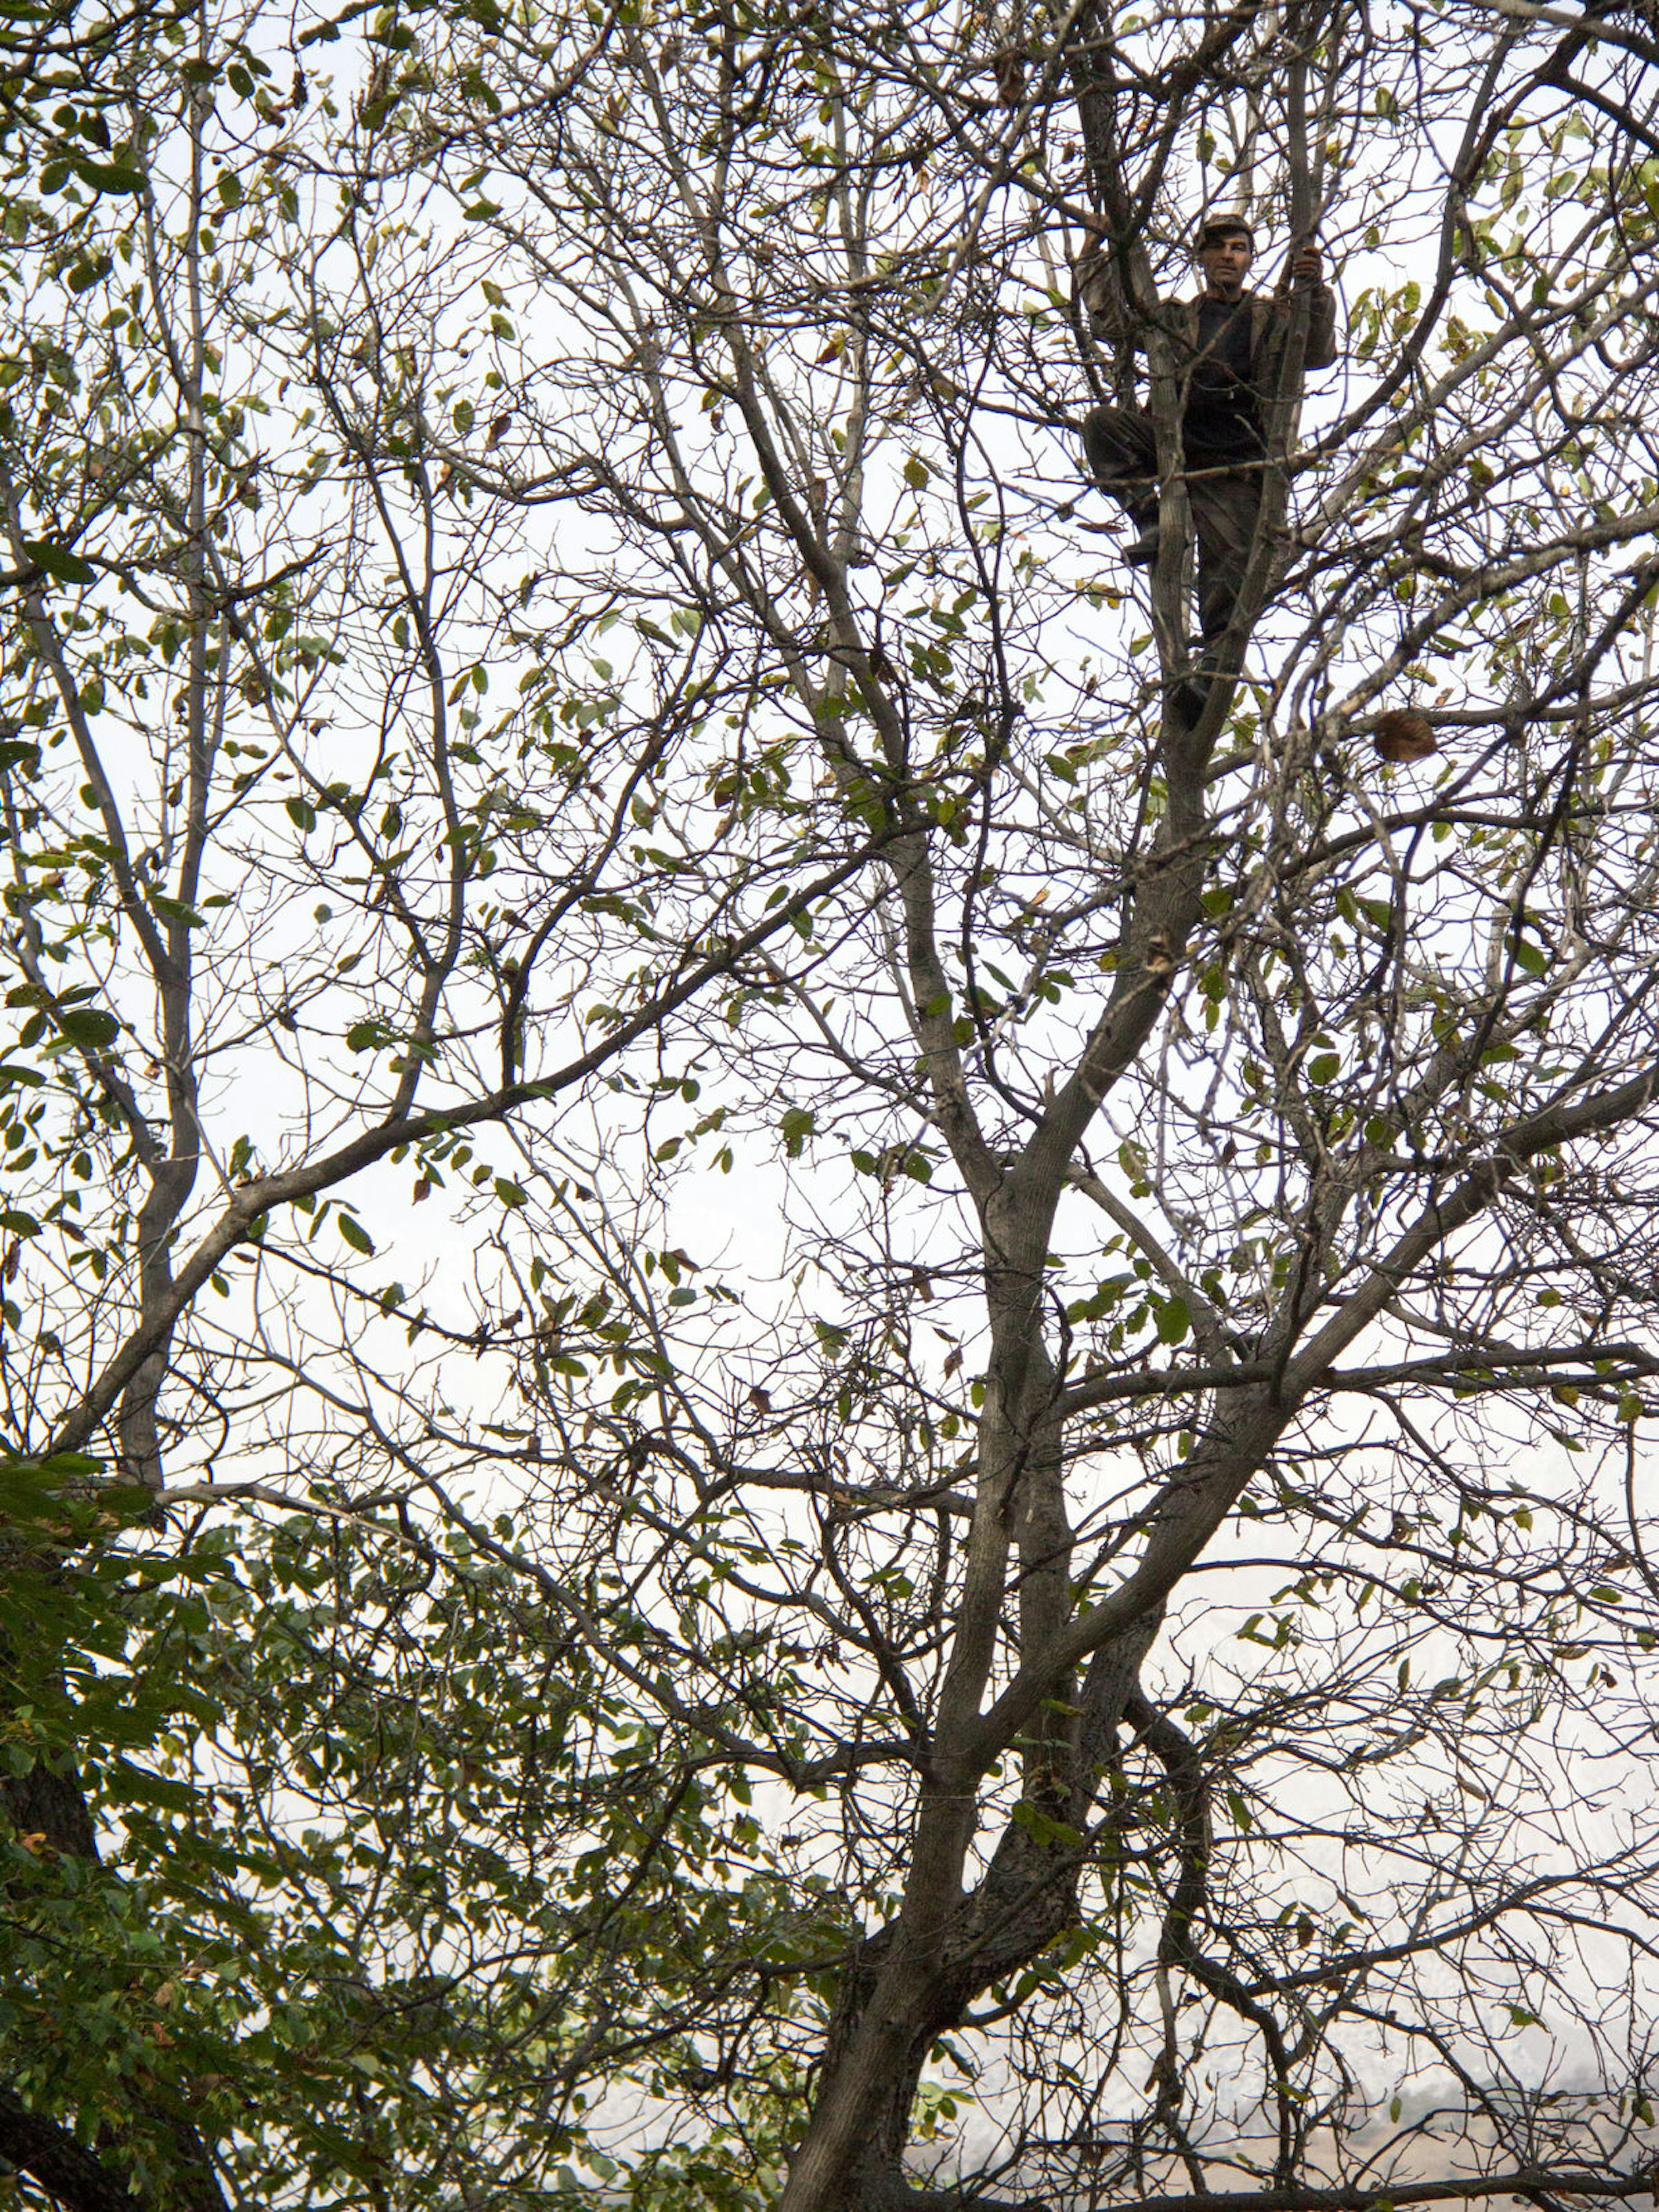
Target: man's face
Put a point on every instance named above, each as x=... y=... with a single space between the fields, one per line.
x=1225 y=261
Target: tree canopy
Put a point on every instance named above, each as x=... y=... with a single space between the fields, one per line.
x=823 y=1390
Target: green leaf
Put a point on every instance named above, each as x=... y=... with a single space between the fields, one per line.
x=172 y=909
x=1174 y=1320
x=59 y=564
x=90 y=1027
x=109 y=177
x=1529 y=957
x=916 y=473
x=1043 y=1828
x=797 y=1125
x=354 y=1233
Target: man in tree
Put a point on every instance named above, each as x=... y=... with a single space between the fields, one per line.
x=1230 y=349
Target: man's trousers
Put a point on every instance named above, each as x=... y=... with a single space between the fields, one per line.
x=1122 y=455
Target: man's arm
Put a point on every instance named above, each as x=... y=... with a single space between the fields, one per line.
x=1306 y=268
x=1100 y=288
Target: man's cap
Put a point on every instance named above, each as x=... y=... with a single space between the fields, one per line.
x=1225 y=226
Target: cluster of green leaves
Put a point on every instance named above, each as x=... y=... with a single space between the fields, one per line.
x=389 y=1876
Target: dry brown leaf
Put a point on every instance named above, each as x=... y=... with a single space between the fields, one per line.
x=1401 y=736
x=1009 y=64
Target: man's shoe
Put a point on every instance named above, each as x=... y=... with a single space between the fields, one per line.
x=1189 y=698
x=1141 y=552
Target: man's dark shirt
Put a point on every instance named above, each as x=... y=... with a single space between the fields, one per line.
x=1221 y=422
